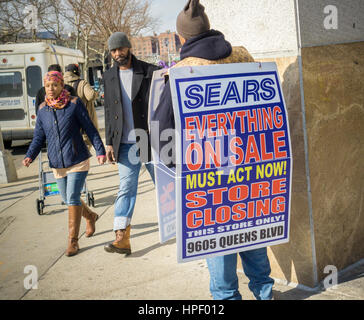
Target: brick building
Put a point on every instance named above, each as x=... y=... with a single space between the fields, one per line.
x=156 y=47
x=144 y=46
x=168 y=44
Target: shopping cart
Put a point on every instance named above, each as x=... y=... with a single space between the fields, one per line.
x=48 y=187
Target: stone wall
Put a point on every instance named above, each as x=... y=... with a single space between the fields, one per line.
x=293 y=261
x=327 y=206
x=262 y=26
x=333 y=81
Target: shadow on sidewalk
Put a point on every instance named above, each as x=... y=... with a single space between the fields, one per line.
x=54 y=212
x=144 y=251
x=20 y=192
x=93 y=246
x=144 y=225
x=105 y=201
x=294 y=294
x=24 y=179
x=344 y=276
x=104 y=189
x=136 y=254
x=94 y=176
x=111 y=231
x=145 y=191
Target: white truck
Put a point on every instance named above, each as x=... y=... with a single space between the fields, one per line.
x=22 y=67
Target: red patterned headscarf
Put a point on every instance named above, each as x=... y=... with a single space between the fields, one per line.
x=64 y=97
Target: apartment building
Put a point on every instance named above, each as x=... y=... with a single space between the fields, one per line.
x=169 y=43
x=162 y=47
x=144 y=46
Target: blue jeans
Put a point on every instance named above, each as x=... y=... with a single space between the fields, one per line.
x=129 y=166
x=70 y=187
x=224 y=281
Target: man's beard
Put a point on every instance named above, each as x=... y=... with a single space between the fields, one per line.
x=123 y=61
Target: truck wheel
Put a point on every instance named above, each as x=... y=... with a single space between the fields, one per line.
x=40 y=206
x=7 y=144
x=90 y=199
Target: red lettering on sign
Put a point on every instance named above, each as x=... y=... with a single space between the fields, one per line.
x=251 y=150
x=279 y=144
x=196 y=199
x=217 y=195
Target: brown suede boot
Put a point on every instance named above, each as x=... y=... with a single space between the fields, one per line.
x=74 y=222
x=91 y=218
x=121 y=243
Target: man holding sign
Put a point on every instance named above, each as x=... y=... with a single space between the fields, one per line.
x=226 y=200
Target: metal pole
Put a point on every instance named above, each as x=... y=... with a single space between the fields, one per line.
x=7 y=167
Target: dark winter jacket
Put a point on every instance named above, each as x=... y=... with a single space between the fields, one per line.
x=61 y=129
x=207 y=48
x=142 y=77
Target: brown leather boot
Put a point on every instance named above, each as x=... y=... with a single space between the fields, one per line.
x=74 y=222
x=121 y=243
x=91 y=218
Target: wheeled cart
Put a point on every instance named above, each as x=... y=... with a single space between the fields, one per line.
x=48 y=187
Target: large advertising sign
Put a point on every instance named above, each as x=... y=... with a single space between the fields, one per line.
x=234 y=161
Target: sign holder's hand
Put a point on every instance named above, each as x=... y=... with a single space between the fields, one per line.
x=110 y=155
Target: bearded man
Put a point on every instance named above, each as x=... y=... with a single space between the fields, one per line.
x=126 y=87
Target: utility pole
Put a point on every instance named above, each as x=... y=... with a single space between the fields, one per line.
x=7 y=167
x=166 y=42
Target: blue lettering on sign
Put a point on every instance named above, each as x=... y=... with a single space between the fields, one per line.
x=266 y=87
x=231 y=93
x=251 y=88
x=192 y=94
x=212 y=94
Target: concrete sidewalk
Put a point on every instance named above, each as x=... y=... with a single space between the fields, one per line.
x=151 y=272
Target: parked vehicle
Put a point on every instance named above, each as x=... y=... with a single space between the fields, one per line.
x=22 y=66
x=100 y=97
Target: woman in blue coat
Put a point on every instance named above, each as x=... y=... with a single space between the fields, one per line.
x=59 y=121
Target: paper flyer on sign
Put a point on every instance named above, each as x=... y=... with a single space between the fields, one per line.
x=234 y=161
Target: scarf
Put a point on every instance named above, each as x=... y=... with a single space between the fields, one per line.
x=61 y=101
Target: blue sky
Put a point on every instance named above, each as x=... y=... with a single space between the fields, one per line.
x=167 y=11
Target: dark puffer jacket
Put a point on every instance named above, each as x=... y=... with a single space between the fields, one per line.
x=61 y=129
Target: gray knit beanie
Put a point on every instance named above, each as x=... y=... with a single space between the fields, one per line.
x=192 y=20
x=118 y=40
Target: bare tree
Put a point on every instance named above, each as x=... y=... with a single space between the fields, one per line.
x=52 y=19
x=92 y=21
x=13 y=16
x=96 y=20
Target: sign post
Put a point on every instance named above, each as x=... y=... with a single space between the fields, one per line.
x=7 y=167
